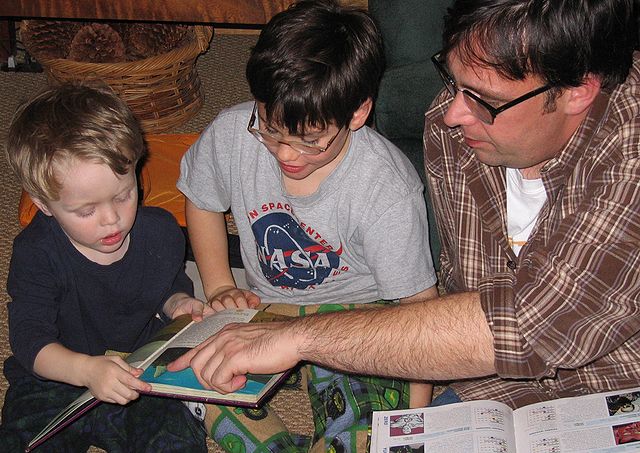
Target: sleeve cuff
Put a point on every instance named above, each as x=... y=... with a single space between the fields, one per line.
x=514 y=356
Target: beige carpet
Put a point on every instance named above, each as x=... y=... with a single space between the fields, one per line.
x=222 y=72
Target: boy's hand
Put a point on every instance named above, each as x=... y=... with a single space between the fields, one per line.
x=113 y=380
x=232 y=297
x=183 y=304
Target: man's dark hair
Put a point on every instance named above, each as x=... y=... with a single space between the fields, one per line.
x=316 y=63
x=560 y=41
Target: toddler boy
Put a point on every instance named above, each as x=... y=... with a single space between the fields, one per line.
x=92 y=272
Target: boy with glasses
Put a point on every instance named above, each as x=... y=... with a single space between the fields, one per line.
x=328 y=211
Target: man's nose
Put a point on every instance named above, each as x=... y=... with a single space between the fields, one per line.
x=458 y=113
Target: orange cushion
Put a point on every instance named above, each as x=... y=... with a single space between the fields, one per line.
x=161 y=171
x=158 y=177
x=26 y=209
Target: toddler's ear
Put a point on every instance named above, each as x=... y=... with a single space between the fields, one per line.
x=41 y=205
x=360 y=116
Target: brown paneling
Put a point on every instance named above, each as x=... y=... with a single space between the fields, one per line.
x=221 y=11
x=5 y=40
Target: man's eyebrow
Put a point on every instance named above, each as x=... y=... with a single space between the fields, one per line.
x=483 y=93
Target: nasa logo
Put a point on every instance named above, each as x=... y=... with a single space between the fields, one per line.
x=288 y=256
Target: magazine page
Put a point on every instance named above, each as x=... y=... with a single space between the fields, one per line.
x=476 y=426
x=603 y=422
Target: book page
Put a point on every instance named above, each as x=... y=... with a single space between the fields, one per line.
x=477 y=426
x=186 y=334
x=200 y=331
x=79 y=406
x=167 y=344
x=595 y=423
x=184 y=383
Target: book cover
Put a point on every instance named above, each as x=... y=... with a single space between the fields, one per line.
x=169 y=343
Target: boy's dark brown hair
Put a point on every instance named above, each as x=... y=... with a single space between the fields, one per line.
x=316 y=63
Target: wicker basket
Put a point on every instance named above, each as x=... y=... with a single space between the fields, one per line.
x=162 y=91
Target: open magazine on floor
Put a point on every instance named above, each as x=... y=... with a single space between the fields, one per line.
x=166 y=345
x=601 y=422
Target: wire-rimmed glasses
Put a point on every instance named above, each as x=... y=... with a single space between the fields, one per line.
x=273 y=140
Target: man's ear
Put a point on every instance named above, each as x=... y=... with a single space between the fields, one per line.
x=581 y=97
x=360 y=116
x=41 y=205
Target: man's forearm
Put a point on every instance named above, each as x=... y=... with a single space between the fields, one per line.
x=440 y=339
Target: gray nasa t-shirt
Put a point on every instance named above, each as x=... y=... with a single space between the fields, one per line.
x=362 y=236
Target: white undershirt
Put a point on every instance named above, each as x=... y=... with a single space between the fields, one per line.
x=525 y=198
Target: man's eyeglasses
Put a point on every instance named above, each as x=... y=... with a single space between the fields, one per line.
x=484 y=111
x=273 y=140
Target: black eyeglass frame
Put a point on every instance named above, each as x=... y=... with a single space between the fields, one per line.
x=452 y=88
x=259 y=135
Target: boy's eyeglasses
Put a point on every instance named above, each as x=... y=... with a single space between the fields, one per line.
x=273 y=140
x=482 y=110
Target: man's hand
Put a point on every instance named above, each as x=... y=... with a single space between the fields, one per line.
x=232 y=297
x=113 y=380
x=183 y=304
x=222 y=361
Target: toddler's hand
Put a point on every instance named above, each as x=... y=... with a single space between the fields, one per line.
x=232 y=297
x=113 y=380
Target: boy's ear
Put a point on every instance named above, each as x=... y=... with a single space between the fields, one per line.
x=581 y=97
x=360 y=116
x=41 y=205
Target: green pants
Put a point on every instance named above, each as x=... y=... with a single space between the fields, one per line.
x=341 y=404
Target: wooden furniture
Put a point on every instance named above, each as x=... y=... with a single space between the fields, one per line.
x=197 y=11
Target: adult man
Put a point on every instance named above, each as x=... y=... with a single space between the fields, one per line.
x=532 y=159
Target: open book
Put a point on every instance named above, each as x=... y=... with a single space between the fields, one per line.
x=602 y=422
x=168 y=344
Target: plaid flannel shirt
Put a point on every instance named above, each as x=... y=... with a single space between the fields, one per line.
x=565 y=314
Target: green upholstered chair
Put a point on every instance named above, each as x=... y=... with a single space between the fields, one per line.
x=412 y=32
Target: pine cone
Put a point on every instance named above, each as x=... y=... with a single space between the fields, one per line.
x=171 y=36
x=97 y=43
x=47 y=39
x=144 y=40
